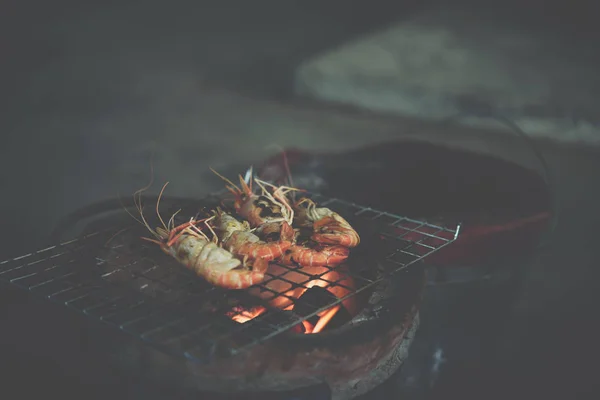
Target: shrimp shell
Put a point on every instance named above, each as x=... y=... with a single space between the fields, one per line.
x=215 y=264
x=239 y=240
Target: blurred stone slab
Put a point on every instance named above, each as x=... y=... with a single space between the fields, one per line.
x=439 y=64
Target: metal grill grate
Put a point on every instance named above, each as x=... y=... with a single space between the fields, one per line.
x=114 y=276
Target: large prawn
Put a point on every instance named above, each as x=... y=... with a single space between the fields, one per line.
x=238 y=238
x=304 y=251
x=268 y=213
x=328 y=226
x=190 y=246
x=315 y=255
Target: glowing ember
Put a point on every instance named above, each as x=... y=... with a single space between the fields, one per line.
x=284 y=286
x=325 y=318
x=242 y=315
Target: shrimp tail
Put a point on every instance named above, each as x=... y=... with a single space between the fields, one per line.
x=335 y=230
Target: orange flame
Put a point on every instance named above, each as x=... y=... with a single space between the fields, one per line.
x=285 y=286
x=246 y=315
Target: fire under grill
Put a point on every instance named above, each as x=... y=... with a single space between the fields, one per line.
x=113 y=276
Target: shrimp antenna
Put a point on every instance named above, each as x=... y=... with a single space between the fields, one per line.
x=171 y=223
x=137 y=201
x=285 y=189
x=139 y=192
x=286 y=165
x=127 y=211
x=158 y=203
x=278 y=197
x=233 y=185
x=288 y=172
x=141 y=211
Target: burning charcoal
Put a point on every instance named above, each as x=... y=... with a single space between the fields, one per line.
x=313 y=299
x=280 y=319
x=316 y=297
x=298 y=328
x=272 y=321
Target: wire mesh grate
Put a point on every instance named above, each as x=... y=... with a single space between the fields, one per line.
x=113 y=276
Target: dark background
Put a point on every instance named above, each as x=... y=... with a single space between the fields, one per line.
x=250 y=48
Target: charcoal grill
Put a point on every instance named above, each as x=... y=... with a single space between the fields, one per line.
x=187 y=326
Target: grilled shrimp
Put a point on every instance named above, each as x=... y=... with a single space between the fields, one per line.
x=237 y=237
x=268 y=213
x=190 y=246
x=249 y=205
x=262 y=208
x=215 y=264
x=328 y=226
x=317 y=255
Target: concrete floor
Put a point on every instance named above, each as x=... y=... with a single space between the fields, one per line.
x=90 y=92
